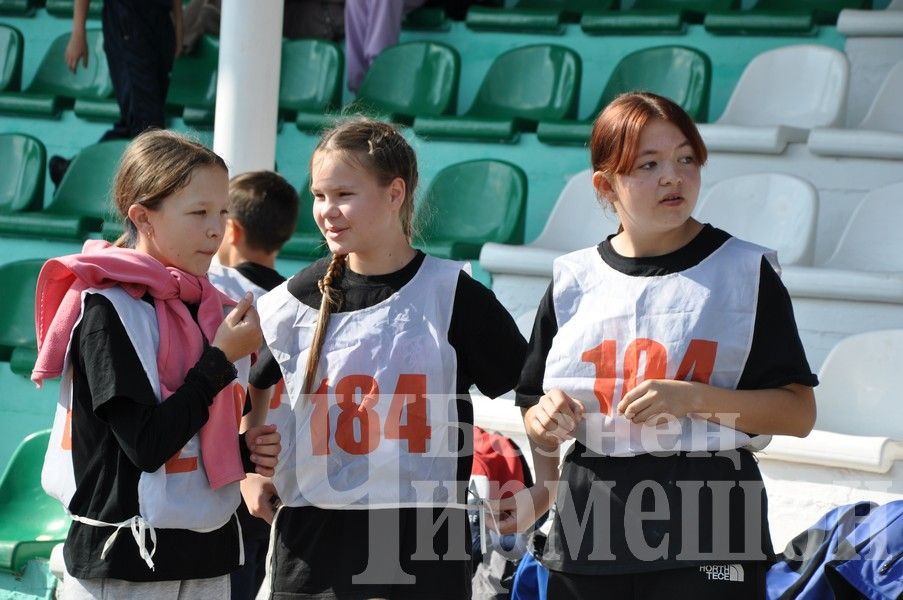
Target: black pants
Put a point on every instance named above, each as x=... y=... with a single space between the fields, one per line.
x=318 y=554
x=247 y=579
x=740 y=581
x=139 y=42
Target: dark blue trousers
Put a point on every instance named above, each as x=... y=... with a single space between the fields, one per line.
x=139 y=42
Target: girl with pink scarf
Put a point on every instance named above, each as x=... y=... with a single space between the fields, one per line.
x=145 y=451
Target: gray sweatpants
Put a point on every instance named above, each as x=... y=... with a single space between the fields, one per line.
x=215 y=588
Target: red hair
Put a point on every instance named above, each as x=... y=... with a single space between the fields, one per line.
x=614 y=143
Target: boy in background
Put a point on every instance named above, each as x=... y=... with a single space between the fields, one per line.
x=263 y=211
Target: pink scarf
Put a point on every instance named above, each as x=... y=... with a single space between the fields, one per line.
x=58 y=305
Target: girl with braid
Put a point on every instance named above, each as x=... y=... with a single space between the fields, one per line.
x=378 y=345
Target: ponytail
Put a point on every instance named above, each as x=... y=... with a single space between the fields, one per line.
x=330 y=301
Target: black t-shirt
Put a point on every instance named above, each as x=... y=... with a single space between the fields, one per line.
x=260 y=275
x=490 y=352
x=119 y=430
x=776 y=359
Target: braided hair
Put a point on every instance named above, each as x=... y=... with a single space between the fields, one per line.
x=380 y=149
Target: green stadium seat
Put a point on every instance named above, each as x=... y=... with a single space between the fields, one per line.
x=192 y=84
x=31 y=522
x=426 y=18
x=192 y=89
x=676 y=72
x=54 y=86
x=81 y=203
x=652 y=17
x=307 y=242
x=11 y=44
x=311 y=78
x=23 y=160
x=778 y=17
x=63 y=8
x=533 y=16
x=523 y=86
x=17 y=330
x=405 y=81
x=19 y=8
x=22 y=361
x=471 y=203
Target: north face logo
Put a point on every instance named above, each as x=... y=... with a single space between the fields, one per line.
x=723 y=572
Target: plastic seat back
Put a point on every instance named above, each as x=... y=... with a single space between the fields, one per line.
x=11 y=44
x=311 y=75
x=22 y=163
x=858 y=391
x=867 y=243
x=17 y=280
x=775 y=210
x=414 y=79
x=799 y=86
x=85 y=189
x=54 y=78
x=193 y=78
x=474 y=202
x=31 y=522
x=63 y=8
x=578 y=218
x=682 y=74
x=539 y=82
x=886 y=112
x=20 y=8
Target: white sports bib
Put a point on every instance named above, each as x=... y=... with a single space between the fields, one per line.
x=616 y=330
x=177 y=495
x=380 y=429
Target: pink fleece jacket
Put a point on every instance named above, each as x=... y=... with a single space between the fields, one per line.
x=58 y=305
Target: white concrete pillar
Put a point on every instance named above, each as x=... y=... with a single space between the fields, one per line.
x=247 y=88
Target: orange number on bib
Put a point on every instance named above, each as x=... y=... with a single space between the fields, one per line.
x=346 y=391
x=656 y=362
x=319 y=420
x=699 y=360
x=358 y=425
x=238 y=399
x=410 y=394
x=66 y=441
x=697 y=365
x=603 y=357
x=276 y=400
x=177 y=464
x=180 y=464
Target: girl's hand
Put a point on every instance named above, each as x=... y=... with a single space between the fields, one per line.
x=264 y=444
x=553 y=420
x=258 y=493
x=519 y=512
x=76 y=50
x=659 y=397
x=239 y=334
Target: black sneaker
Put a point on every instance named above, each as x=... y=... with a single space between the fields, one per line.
x=57 y=166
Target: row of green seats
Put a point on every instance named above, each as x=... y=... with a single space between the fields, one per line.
x=531 y=88
x=57 y=8
x=466 y=204
x=80 y=204
x=192 y=90
x=535 y=88
x=601 y=17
